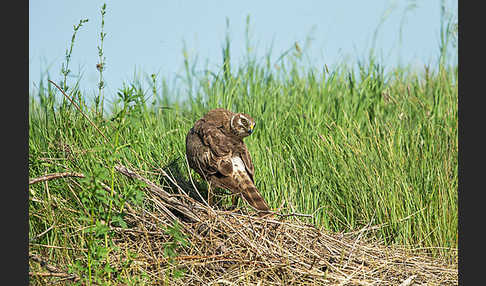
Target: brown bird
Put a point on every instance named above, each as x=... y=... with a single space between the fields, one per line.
x=216 y=151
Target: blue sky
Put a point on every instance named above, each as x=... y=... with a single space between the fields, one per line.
x=148 y=36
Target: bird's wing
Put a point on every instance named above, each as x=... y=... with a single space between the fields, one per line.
x=219 y=152
x=212 y=137
x=198 y=154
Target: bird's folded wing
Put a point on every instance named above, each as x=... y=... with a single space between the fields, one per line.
x=245 y=156
x=219 y=155
x=212 y=137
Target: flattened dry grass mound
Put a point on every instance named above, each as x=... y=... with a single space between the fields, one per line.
x=231 y=248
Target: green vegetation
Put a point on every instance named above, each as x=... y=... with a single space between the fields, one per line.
x=353 y=147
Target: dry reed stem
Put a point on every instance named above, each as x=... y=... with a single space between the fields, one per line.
x=53 y=271
x=231 y=248
x=55 y=176
x=238 y=249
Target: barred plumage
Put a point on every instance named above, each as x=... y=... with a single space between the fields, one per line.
x=216 y=151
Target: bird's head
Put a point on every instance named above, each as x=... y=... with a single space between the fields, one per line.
x=242 y=124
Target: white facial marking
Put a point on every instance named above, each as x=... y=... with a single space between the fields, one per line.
x=231 y=122
x=242 y=116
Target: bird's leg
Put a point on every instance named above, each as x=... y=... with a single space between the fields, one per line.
x=210 y=195
x=234 y=201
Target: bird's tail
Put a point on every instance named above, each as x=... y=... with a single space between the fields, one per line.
x=251 y=194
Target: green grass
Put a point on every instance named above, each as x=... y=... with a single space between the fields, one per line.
x=354 y=147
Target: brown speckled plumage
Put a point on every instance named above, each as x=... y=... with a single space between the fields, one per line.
x=216 y=151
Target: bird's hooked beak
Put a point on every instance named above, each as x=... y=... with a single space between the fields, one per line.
x=252 y=126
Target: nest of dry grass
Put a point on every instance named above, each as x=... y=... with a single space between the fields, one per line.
x=234 y=248
x=231 y=248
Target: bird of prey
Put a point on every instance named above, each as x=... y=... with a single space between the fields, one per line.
x=216 y=151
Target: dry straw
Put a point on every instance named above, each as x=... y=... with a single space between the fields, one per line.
x=232 y=248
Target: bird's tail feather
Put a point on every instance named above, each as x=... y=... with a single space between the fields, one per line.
x=251 y=194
